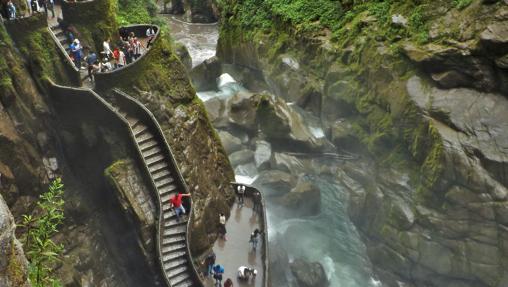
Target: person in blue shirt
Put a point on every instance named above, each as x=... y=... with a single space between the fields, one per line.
x=218 y=271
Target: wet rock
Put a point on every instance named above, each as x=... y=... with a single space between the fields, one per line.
x=278 y=182
x=215 y=109
x=304 y=199
x=309 y=274
x=280 y=123
x=451 y=79
x=241 y=110
x=230 y=143
x=241 y=157
x=248 y=169
x=288 y=163
x=183 y=54
x=262 y=154
x=13 y=263
x=495 y=37
x=204 y=75
x=502 y=62
x=399 y=20
x=343 y=137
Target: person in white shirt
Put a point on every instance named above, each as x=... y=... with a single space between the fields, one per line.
x=106 y=48
x=245 y=273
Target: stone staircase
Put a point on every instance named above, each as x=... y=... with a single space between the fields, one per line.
x=174 y=254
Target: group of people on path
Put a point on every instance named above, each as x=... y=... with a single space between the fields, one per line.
x=256 y=197
x=217 y=272
x=244 y=273
x=10 y=11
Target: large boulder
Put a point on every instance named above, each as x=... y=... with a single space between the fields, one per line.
x=281 y=123
x=204 y=75
x=241 y=157
x=263 y=154
x=309 y=274
x=230 y=143
x=304 y=199
x=278 y=182
x=241 y=111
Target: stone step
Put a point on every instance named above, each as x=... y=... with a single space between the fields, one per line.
x=170 y=189
x=173 y=255
x=172 y=223
x=174 y=264
x=172 y=240
x=164 y=181
x=185 y=283
x=147 y=145
x=157 y=167
x=154 y=159
x=177 y=271
x=180 y=278
x=160 y=174
x=169 y=214
x=175 y=230
x=173 y=247
x=61 y=38
x=144 y=137
x=63 y=42
x=149 y=152
x=58 y=32
x=138 y=129
x=132 y=121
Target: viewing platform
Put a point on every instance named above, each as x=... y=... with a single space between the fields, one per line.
x=237 y=251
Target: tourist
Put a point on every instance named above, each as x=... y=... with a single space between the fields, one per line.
x=228 y=283
x=11 y=10
x=106 y=49
x=34 y=5
x=245 y=273
x=254 y=238
x=240 y=194
x=222 y=226
x=105 y=66
x=176 y=200
x=150 y=34
x=256 y=199
x=209 y=262
x=91 y=61
x=51 y=5
x=218 y=271
x=76 y=53
x=40 y=4
x=136 y=48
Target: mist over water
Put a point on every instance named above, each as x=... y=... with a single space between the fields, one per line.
x=328 y=237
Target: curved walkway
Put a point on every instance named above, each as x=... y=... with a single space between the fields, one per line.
x=237 y=251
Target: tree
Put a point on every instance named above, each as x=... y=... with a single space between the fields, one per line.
x=41 y=251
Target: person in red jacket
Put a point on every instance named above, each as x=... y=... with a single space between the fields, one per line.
x=176 y=203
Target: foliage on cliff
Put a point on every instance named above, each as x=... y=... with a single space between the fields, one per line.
x=137 y=11
x=42 y=252
x=36 y=46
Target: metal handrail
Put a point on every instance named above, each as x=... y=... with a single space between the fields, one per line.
x=134 y=101
x=248 y=192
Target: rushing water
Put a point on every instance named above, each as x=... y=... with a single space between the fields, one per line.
x=329 y=237
x=200 y=39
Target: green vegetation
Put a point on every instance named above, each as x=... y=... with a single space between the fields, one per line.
x=137 y=12
x=461 y=4
x=42 y=252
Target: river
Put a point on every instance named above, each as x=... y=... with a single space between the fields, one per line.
x=329 y=237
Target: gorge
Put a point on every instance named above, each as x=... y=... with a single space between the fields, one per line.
x=375 y=131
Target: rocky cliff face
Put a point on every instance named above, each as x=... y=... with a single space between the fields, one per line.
x=421 y=93
x=13 y=264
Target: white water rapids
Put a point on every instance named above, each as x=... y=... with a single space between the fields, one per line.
x=329 y=237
